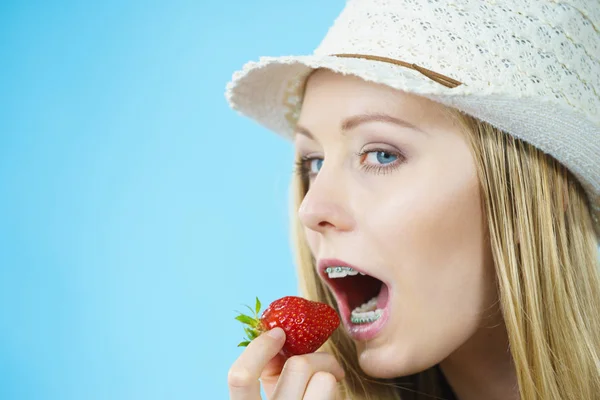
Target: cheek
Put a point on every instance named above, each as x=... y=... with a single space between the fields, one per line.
x=433 y=234
x=434 y=229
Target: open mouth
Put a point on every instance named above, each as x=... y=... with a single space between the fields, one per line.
x=361 y=298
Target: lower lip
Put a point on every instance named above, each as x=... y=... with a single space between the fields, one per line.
x=369 y=331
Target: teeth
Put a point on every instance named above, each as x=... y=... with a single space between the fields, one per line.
x=366 y=313
x=370 y=305
x=366 y=317
x=341 y=272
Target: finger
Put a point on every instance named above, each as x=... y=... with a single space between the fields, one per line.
x=298 y=370
x=245 y=371
x=322 y=386
x=270 y=374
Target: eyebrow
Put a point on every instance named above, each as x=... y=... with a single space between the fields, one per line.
x=356 y=120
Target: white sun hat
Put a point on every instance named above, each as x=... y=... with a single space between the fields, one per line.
x=528 y=67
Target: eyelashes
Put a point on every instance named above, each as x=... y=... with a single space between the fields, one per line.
x=384 y=161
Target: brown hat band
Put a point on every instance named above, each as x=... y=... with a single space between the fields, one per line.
x=439 y=78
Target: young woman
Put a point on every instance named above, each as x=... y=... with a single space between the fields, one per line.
x=448 y=160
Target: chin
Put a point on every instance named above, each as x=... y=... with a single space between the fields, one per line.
x=384 y=363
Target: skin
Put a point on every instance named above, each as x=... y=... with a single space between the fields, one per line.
x=310 y=376
x=416 y=224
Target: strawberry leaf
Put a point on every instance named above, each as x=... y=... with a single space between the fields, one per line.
x=246 y=320
x=257 y=306
x=243 y=344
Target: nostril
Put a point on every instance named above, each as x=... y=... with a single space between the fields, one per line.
x=325 y=224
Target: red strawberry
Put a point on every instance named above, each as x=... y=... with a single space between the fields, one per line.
x=307 y=324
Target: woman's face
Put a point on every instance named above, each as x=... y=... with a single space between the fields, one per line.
x=393 y=192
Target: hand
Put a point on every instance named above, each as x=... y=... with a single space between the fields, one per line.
x=306 y=377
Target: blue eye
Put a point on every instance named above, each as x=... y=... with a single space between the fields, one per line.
x=379 y=161
x=315 y=165
x=308 y=167
x=381 y=157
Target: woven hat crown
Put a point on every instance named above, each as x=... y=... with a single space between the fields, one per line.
x=540 y=48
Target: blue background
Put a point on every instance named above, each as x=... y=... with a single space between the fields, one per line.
x=137 y=211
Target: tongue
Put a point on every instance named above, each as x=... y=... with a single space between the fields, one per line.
x=382 y=297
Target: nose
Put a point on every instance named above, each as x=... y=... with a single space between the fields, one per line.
x=325 y=205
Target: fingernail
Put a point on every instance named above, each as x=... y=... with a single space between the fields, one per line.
x=276 y=333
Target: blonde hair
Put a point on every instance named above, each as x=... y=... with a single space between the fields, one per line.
x=547 y=270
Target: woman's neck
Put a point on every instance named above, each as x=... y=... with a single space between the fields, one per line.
x=483 y=368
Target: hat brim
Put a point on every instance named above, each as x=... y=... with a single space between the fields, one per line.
x=265 y=91
x=261 y=89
